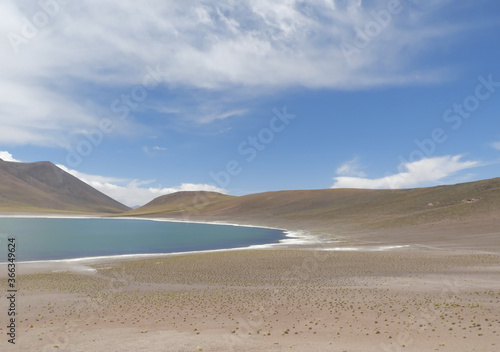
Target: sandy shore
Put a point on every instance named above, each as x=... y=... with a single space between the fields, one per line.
x=263 y=300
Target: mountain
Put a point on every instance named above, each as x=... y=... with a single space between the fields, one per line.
x=467 y=208
x=43 y=187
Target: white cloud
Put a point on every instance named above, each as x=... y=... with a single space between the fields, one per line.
x=427 y=171
x=495 y=145
x=221 y=116
x=6 y=156
x=350 y=168
x=135 y=192
x=91 y=178
x=48 y=88
x=150 y=151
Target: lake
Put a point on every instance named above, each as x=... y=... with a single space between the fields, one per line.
x=68 y=238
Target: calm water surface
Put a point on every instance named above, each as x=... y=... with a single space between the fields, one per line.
x=47 y=239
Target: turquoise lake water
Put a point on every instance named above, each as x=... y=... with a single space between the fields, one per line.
x=49 y=239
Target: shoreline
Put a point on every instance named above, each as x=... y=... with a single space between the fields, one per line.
x=291 y=238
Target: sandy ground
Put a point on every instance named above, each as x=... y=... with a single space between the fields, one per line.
x=262 y=300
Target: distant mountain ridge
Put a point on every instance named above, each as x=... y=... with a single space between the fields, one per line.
x=43 y=187
x=340 y=210
x=466 y=214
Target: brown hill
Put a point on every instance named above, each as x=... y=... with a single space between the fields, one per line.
x=43 y=187
x=468 y=207
x=181 y=203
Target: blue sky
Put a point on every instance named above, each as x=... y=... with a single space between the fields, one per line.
x=144 y=99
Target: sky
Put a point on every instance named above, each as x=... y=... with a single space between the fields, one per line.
x=141 y=99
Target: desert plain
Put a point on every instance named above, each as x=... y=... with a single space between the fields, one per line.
x=347 y=294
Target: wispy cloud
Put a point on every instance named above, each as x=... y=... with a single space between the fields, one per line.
x=495 y=145
x=427 y=171
x=221 y=116
x=152 y=150
x=351 y=168
x=135 y=192
x=49 y=86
